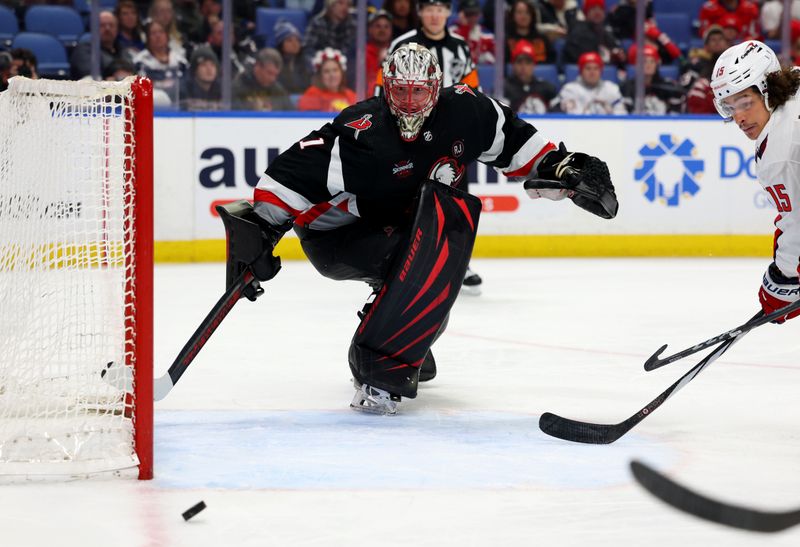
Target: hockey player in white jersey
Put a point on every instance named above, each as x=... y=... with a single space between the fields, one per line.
x=752 y=89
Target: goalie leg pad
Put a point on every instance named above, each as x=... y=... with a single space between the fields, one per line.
x=413 y=304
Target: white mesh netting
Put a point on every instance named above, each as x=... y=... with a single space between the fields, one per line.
x=66 y=276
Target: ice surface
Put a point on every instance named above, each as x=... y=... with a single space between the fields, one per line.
x=259 y=426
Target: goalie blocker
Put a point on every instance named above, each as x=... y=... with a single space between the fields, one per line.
x=582 y=178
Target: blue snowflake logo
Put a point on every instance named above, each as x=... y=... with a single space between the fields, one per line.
x=669 y=170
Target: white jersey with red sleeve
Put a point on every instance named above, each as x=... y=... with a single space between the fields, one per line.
x=778 y=171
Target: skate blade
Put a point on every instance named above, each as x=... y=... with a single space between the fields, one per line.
x=474 y=290
x=378 y=410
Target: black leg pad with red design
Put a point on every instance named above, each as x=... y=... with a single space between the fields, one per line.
x=412 y=306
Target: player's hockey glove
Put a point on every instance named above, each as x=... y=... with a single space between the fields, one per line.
x=582 y=178
x=778 y=291
x=251 y=242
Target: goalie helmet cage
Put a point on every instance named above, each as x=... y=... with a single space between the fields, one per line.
x=76 y=278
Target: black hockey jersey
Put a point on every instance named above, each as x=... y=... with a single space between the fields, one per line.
x=359 y=167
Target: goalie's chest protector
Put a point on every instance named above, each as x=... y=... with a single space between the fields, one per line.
x=385 y=172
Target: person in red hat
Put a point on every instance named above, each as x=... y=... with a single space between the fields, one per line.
x=662 y=96
x=731 y=27
x=592 y=34
x=745 y=11
x=521 y=25
x=589 y=93
x=525 y=93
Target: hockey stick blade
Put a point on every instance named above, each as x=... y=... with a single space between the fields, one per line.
x=693 y=503
x=591 y=433
x=756 y=321
x=121 y=376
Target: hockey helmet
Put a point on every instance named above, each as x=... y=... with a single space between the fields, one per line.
x=411 y=82
x=741 y=67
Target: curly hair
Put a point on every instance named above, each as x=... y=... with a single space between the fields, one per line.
x=782 y=86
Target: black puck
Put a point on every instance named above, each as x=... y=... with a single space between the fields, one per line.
x=193 y=510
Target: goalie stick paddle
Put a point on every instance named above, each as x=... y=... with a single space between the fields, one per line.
x=591 y=433
x=756 y=321
x=121 y=376
x=688 y=501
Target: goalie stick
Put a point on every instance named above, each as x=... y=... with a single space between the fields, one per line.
x=756 y=321
x=591 y=433
x=691 y=502
x=121 y=376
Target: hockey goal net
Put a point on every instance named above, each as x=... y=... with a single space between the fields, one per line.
x=75 y=277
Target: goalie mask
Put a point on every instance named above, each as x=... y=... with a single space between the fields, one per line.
x=741 y=67
x=411 y=82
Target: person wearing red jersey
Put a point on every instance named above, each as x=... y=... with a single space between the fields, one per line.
x=746 y=13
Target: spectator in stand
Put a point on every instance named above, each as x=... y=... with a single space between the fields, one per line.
x=590 y=93
x=202 y=89
x=746 y=13
x=468 y=26
x=211 y=12
x=24 y=63
x=795 y=37
x=622 y=18
x=80 y=61
x=189 y=20
x=592 y=34
x=119 y=70
x=258 y=88
x=239 y=58
x=662 y=96
x=5 y=69
x=404 y=15
x=557 y=17
x=334 y=27
x=295 y=75
x=667 y=49
x=696 y=79
x=161 y=63
x=731 y=28
x=379 y=36
x=521 y=25
x=130 y=34
x=525 y=93
x=770 y=18
x=328 y=91
x=163 y=12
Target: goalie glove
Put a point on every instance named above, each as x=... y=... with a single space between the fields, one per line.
x=582 y=178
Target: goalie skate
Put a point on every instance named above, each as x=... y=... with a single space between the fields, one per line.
x=373 y=400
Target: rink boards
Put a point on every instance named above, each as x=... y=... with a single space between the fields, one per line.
x=686 y=187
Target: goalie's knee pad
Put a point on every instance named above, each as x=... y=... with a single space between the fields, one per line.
x=412 y=307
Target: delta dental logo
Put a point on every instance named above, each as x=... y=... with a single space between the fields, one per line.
x=669 y=170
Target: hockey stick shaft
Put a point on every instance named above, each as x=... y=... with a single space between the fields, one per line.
x=591 y=433
x=756 y=321
x=163 y=385
x=689 y=501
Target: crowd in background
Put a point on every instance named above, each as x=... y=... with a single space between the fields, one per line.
x=558 y=55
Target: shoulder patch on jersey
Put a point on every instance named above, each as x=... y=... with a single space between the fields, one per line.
x=460 y=89
x=361 y=124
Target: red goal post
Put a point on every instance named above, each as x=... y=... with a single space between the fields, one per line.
x=76 y=277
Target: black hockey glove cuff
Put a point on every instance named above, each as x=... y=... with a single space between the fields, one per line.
x=586 y=179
